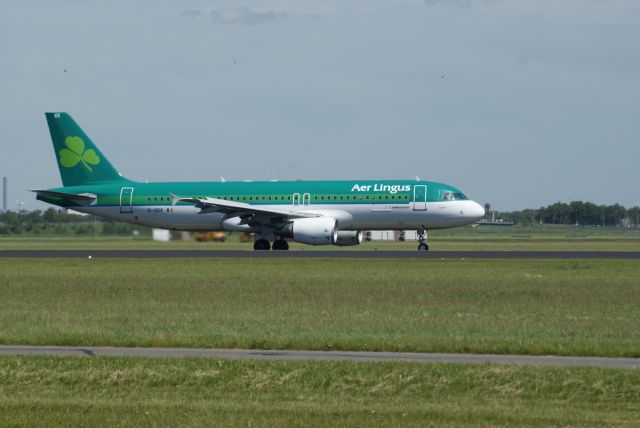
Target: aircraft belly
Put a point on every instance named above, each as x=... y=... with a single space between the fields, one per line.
x=368 y=217
x=178 y=218
x=175 y=218
x=398 y=217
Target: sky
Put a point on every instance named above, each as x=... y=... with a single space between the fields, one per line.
x=517 y=103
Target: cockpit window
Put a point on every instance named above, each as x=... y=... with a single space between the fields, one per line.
x=453 y=196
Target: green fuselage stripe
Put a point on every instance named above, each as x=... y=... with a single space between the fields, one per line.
x=266 y=193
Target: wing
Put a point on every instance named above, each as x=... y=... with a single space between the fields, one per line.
x=208 y=205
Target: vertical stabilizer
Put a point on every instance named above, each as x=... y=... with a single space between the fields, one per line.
x=79 y=160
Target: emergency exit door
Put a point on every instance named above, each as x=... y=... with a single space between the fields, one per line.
x=126 y=200
x=420 y=197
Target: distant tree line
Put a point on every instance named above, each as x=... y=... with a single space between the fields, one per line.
x=58 y=222
x=576 y=212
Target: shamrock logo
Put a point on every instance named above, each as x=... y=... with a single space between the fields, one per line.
x=75 y=153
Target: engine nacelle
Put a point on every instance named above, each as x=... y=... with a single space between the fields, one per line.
x=312 y=231
x=347 y=238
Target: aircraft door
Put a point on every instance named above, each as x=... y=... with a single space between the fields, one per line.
x=296 y=199
x=126 y=200
x=306 y=199
x=420 y=197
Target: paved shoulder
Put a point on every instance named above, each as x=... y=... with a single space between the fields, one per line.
x=255 y=354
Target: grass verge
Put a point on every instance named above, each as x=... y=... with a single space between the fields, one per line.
x=577 y=307
x=72 y=391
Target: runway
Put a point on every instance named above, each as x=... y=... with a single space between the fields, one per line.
x=255 y=354
x=240 y=254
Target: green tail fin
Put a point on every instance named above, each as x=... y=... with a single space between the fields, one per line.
x=79 y=160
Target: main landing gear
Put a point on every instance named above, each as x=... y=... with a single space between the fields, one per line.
x=263 y=245
x=422 y=240
x=280 y=244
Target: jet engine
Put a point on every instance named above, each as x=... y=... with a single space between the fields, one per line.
x=349 y=237
x=312 y=231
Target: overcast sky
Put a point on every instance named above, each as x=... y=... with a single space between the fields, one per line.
x=517 y=103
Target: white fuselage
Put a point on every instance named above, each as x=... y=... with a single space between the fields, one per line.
x=437 y=215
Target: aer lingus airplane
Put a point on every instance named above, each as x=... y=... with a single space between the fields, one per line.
x=310 y=212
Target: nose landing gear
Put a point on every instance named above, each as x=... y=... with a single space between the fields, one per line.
x=422 y=240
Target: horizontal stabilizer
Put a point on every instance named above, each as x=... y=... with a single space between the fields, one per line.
x=85 y=198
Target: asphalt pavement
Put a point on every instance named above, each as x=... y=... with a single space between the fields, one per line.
x=237 y=254
x=298 y=355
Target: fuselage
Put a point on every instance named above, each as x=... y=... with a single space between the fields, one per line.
x=357 y=205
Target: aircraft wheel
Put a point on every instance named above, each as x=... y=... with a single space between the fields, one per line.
x=423 y=247
x=280 y=245
x=261 y=245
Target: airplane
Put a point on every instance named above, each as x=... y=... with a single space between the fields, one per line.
x=308 y=212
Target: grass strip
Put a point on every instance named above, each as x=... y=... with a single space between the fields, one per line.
x=562 y=307
x=478 y=242
x=73 y=391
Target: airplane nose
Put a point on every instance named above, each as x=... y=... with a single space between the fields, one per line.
x=476 y=211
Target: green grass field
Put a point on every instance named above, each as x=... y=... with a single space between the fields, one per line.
x=586 y=307
x=575 y=307
x=73 y=391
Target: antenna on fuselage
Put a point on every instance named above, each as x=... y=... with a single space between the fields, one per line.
x=418 y=178
x=222 y=179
